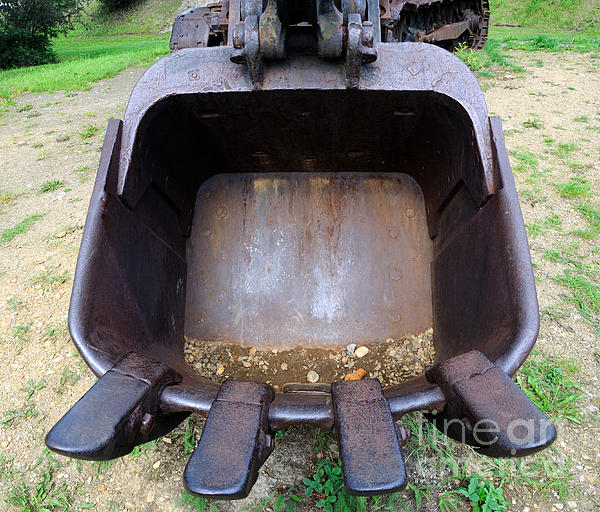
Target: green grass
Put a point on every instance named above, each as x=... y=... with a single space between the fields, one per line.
x=541 y=226
x=49 y=278
x=550 y=384
x=581 y=15
x=50 y=186
x=20 y=229
x=575 y=187
x=591 y=214
x=83 y=61
x=148 y=17
x=89 y=131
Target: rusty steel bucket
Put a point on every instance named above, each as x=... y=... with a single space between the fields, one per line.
x=302 y=212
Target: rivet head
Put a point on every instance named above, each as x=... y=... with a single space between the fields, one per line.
x=410 y=213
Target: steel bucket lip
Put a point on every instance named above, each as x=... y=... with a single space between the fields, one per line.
x=450 y=78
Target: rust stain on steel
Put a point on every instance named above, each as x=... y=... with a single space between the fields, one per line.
x=296 y=259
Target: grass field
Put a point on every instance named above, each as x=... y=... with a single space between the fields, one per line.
x=83 y=61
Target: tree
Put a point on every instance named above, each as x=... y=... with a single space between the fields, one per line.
x=27 y=27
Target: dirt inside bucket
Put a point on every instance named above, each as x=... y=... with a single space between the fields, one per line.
x=391 y=361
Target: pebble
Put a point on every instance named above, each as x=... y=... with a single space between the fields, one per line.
x=252 y=351
x=284 y=366
x=220 y=370
x=312 y=376
x=361 y=351
x=247 y=364
x=350 y=348
x=156 y=464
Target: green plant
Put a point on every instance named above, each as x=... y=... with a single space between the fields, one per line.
x=89 y=131
x=67 y=378
x=326 y=483
x=13 y=302
x=28 y=410
x=541 y=226
x=483 y=495
x=43 y=496
x=21 y=332
x=31 y=387
x=591 y=214
x=470 y=57
x=533 y=122
x=20 y=229
x=577 y=186
x=49 y=278
x=525 y=160
x=549 y=383
x=50 y=186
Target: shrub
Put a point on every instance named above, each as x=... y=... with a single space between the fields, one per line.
x=27 y=26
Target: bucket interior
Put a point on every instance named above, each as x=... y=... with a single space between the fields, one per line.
x=310 y=219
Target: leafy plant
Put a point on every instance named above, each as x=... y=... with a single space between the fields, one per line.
x=470 y=57
x=550 y=386
x=50 y=186
x=326 y=483
x=482 y=495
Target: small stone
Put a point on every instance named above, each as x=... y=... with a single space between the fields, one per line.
x=361 y=351
x=284 y=366
x=156 y=464
x=558 y=506
x=252 y=351
x=220 y=370
x=392 y=353
x=247 y=364
x=312 y=376
x=351 y=348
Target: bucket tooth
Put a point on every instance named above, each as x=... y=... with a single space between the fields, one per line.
x=234 y=444
x=118 y=412
x=487 y=410
x=367 y=436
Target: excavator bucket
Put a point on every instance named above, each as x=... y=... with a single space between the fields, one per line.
x=295 y=177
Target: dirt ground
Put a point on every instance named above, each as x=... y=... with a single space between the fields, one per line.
x=53 y=137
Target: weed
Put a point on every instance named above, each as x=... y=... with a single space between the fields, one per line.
x=50 y=186
x=143 y=448
x=13 y=302
x=525 y=160
x=49 y=278
x=28 y=410
x=63 y=138
x=42 y=155
x=482 y=495
x=83 y=169
x=592 y=215
x=89 y=131
x=20 y=229
x=24 y=108
x=549 y=384
x=21 y=332
x=102 y=466
x=327 y=482
x=194 y=503
x=470 y=57
x=581 y=119
x=533 y=196
x=533 y=122
x=189 y=436
x=67 y=378
x=7 y=198
x=31 y=387
x=564 y=149
x=585 y=295
x=575 y=187
x=540 y=227
x=44 y=496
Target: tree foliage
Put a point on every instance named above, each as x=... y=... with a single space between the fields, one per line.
x=27 y=27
